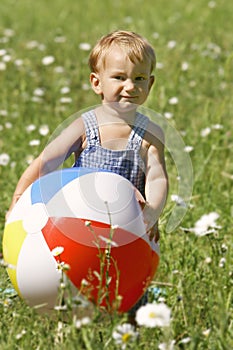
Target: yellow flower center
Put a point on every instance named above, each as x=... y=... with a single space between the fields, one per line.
x=152 y=314
x=126 y=337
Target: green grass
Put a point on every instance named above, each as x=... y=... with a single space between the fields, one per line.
x=198 y=291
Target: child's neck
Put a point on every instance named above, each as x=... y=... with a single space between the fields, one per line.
x=116 y=113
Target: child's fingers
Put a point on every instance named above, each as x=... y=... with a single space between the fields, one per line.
x=154 y=234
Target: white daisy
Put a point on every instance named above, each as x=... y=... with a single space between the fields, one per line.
x=57 y=251
x=30 y=127
x=153 y=315
x=167 y=346
x=171 y=44
x=168 y=115
x=65 y=100
x=38 y=92
x=44 y=130
x=65 y=90
x=85 y=46
x=9 y=32
x=34 y=143
x=8 y=125
x=4 y=159
x=6 y=58
x=184 y=66
x=124 y=334
x=206 y=222
x=178 y=200
x=173 y=100
x=3 y=52
x=47 y=60
x=29 y=159
x=82 y=322
x=222 y=262
x=159 y=65
x=59 y=69
x=205 y=132
x=2 y=66
x=32 y=44
x=188 y=149
x=18 y=62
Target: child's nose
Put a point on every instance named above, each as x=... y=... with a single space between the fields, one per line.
x=129 y=85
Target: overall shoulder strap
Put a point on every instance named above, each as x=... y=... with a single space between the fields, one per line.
x=91 y=128
x=138 y=131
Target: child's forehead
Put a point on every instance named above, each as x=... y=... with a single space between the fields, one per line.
x=117 y=54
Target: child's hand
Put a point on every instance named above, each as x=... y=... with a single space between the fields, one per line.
x=154 y=233
x=151 y=223
x=149 y=218
x=140 y=199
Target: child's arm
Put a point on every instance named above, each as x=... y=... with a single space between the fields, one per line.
x=156 y=187
x=51 y=158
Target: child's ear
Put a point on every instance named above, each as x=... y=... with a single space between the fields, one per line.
x=152 y=80
x=95 y=83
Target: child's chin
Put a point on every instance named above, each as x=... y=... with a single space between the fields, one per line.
x=124 y=105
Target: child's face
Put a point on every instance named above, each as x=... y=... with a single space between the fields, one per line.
x=120 y=80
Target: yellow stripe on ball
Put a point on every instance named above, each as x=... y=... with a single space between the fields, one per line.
x=13 y=238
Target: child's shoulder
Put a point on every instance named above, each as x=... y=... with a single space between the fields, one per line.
x=154 y=132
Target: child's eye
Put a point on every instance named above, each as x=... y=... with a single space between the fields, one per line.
x=140 y=78
x=119 y=77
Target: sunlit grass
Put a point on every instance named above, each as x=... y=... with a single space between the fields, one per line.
x=44 y=48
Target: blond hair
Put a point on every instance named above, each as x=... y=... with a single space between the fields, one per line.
x=135 y=46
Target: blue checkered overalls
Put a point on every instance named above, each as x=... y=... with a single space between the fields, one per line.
x=127 y=163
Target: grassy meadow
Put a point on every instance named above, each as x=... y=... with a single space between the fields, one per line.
x=44 y=79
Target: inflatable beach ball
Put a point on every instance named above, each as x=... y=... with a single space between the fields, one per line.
x=96 y=219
